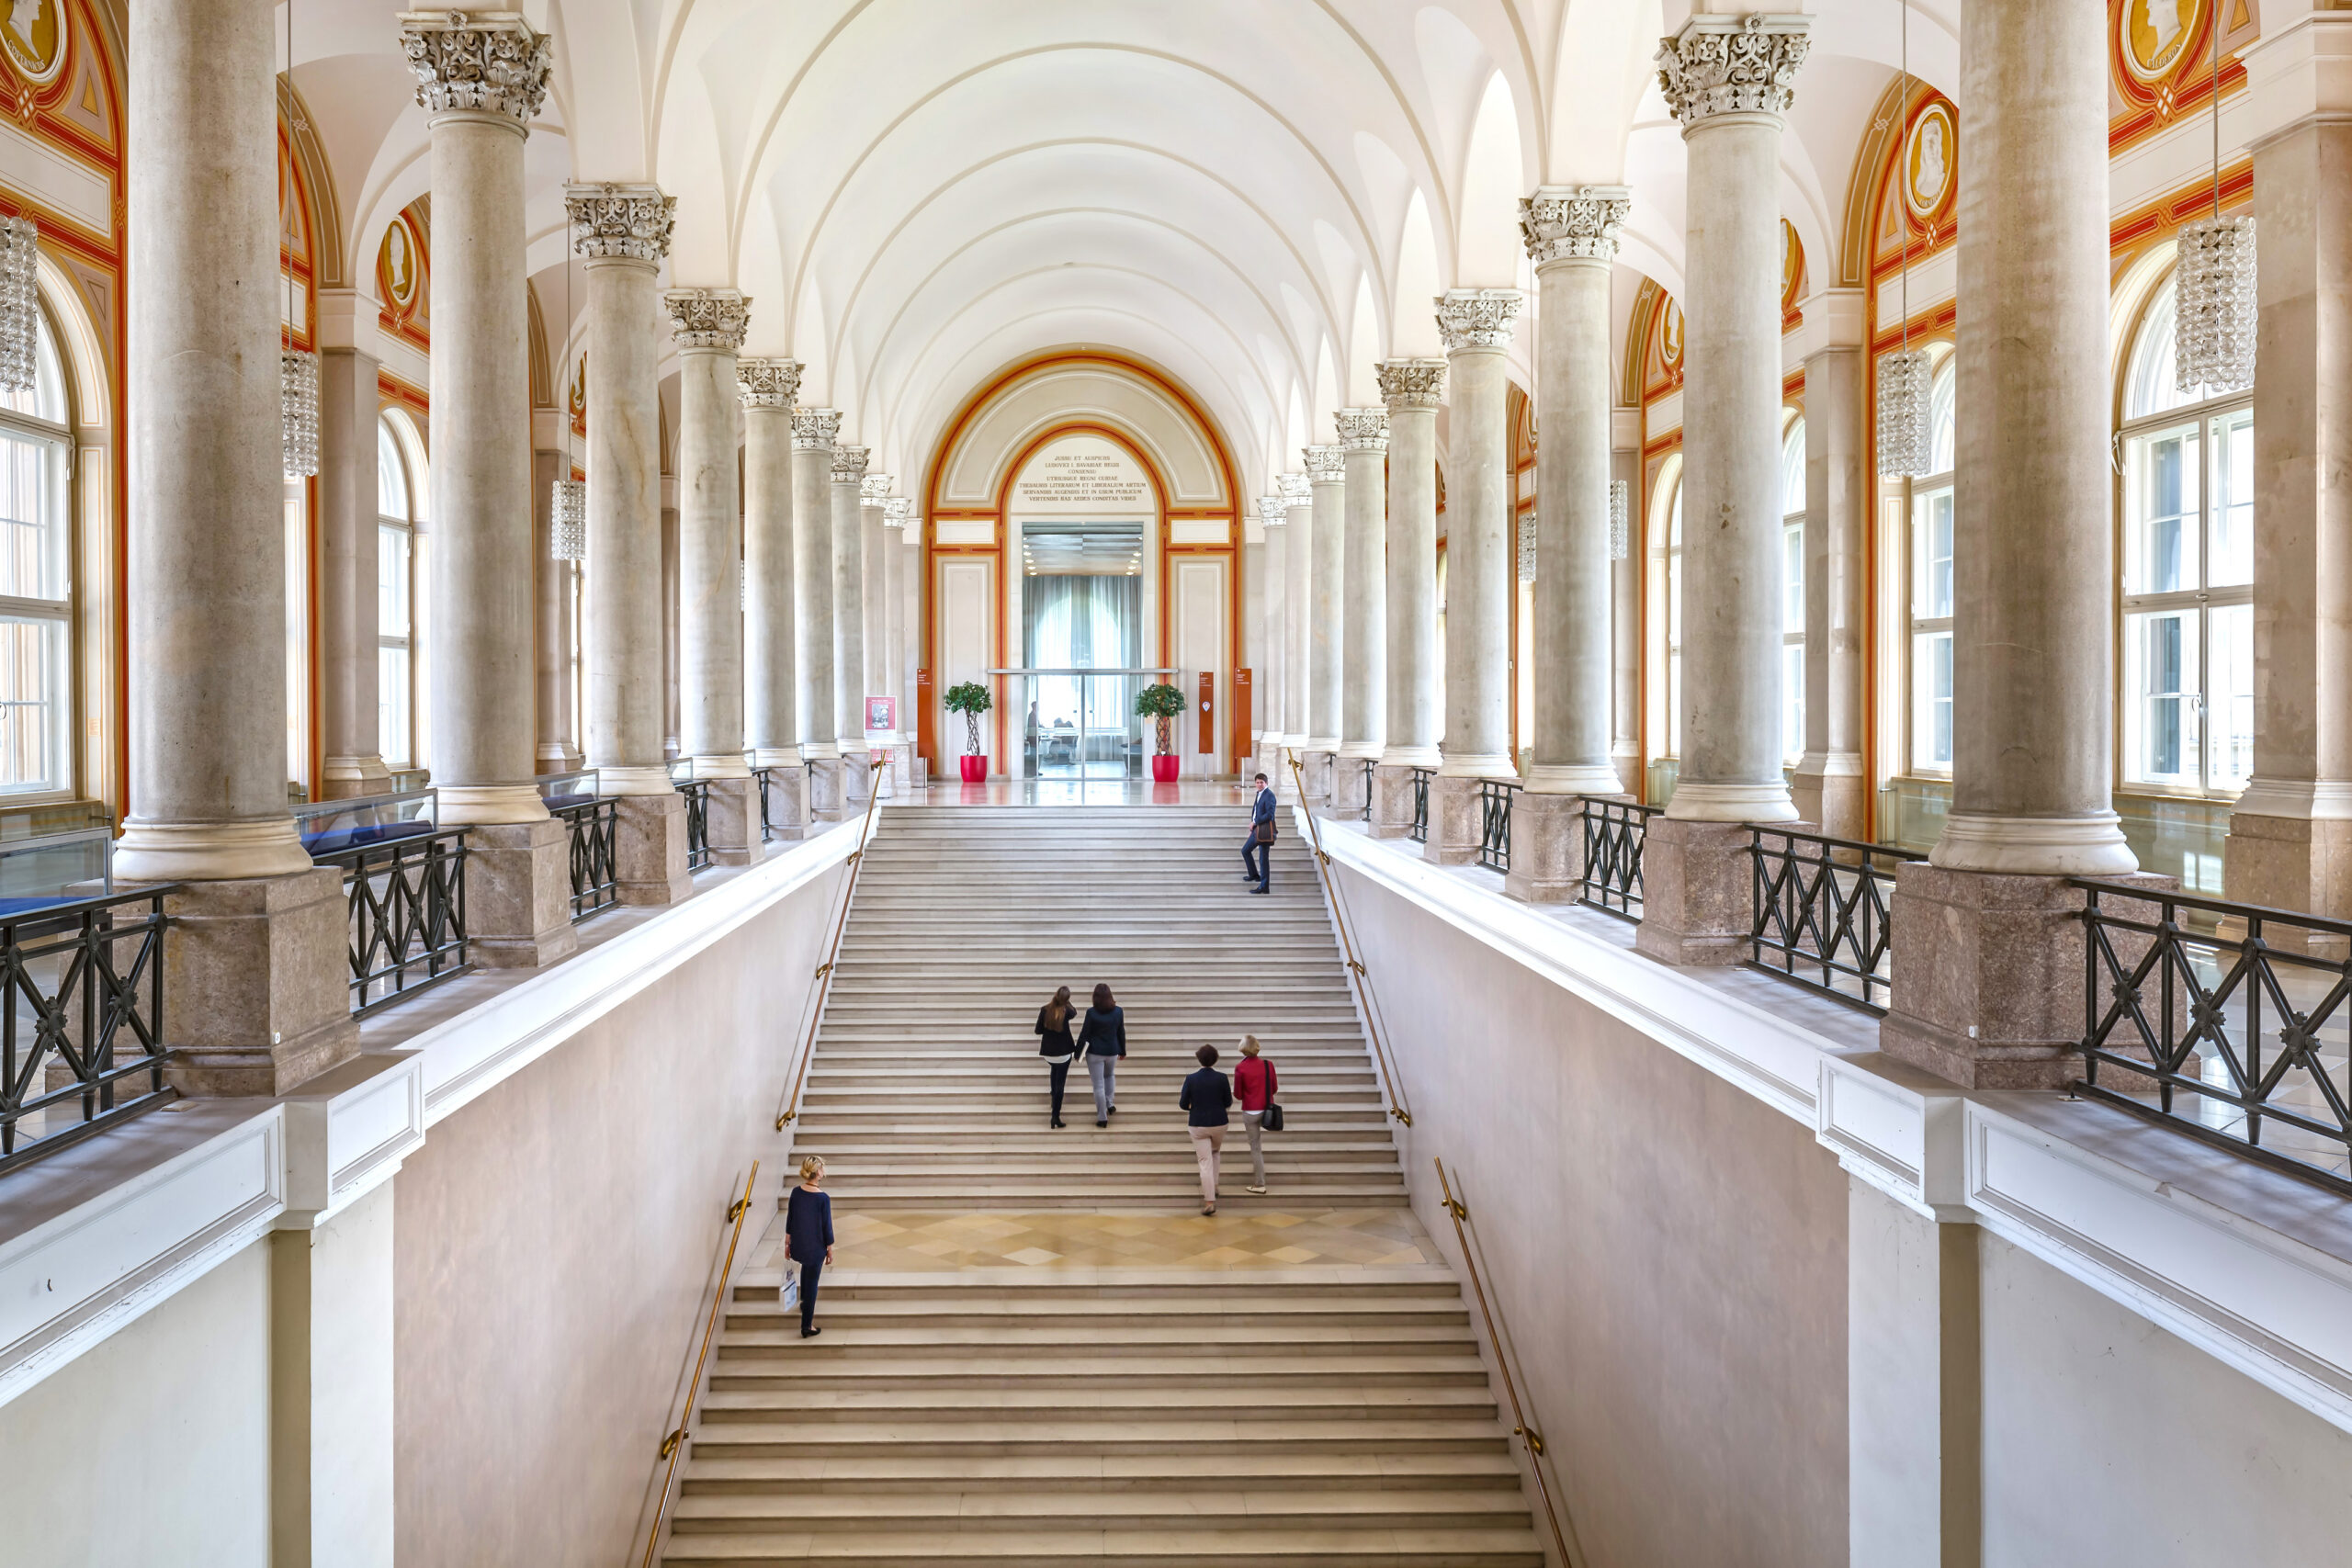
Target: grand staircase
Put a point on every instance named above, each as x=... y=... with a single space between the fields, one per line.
x=1189 y=1411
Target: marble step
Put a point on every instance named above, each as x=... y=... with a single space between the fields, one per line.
x=1353 y=1474
x=1245 y=1547
x=1006 y=1508
x=1082 y=1373
x=987 y=1435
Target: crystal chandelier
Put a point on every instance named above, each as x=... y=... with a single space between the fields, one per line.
x=298 y=396
x=568 y=521
x=1527 y=549
x=1621 y=519
x=1904 y=377
x=19 y=302
x=2214 y=348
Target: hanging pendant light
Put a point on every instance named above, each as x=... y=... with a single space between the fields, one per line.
x=568 y=521
x=1905 y=442
x=298 y=369
x=19 y=303
x=2213 y=289
x=1621 y=519
x=1527 y=549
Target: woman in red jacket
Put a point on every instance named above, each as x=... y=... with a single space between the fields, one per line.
x=1253 y=1086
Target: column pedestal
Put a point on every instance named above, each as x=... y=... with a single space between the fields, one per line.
x=787 y=807
x=731 y=822
x=1392 y=802
x=2291 y=863
x=650 y=849
x=1454 y=829
x=1318 y=770
x=1831 y=791
x=518 y=894
x=1698 y=891
x=1988 y=989
x=256 y=981
x=828 y=790
x=1546 y=847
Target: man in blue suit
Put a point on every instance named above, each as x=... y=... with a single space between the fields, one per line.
x=1261 y=819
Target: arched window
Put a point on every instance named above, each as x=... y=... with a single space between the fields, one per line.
x=1663 y=657
x=36 y=582
x=1793 y=590
x=1930 y=600
x=2187 y=572
x=399 y=484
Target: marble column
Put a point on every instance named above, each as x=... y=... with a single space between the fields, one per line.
x=874 y=490
x=1829 y=786
x=256 y=958
x=848 y=513
x=813 y=608
x=1476 y=325
x=1571 y=235
x=1273 y=681
x=622 y=231
x=1412 y=389
x=480 y=664
x=1325 y=617
x=767 y=387
x=1987 y=951
x=1625 y=602
x=354 y=763
x=1726 y=79
x=558 y=747
x=2290 y=837
x=1298 y=550
x=891 y=667
x=1364 y=700
x=709 y=326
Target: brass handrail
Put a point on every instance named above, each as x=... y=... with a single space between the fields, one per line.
x=1398 y=1106
x=822 y=984
x=1522 y=1428
x=674 y=1443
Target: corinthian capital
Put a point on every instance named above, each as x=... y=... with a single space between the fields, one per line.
x=1572 y=222
x=768 y=383
x=490 y=61
x=1731 y=65
x=1273 y=509
x=1412 y=383
x=849 y=462
x=898 y=511
x=620 y=220
x=1297 y=490
x=1362 y=429
x=707 y=318
x=1326 y=465
x=875 y=488
x=1479 y=318
x=813 y=429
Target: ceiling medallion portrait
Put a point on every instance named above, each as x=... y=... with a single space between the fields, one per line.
x=1931 y=162
x=34 y=33
x=396 y=267
x=2153 y=36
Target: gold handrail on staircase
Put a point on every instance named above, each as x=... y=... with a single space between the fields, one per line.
x=1398 y=1106
x=674 y=1443
x=822 y=985
x=1522 y=1428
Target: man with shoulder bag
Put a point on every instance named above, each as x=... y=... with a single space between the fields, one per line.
x=1259 y=844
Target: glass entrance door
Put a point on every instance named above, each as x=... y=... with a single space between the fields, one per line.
x=1082 y=723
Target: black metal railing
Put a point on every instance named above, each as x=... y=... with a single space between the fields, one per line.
x=407 y=900
x=697 y=794
x=594 y=827
x=1422 y=777
x=2173 y=1009
x=765 y=778
x=1361 y=801
x=82 y=1033
x=1614 y=831
x=1495 y=797
x=1820 y=912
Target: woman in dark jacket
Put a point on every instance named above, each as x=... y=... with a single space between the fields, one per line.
x=1056 y=1047
x=1104 y=1037
x=1207 y=1100
x=809 y=1237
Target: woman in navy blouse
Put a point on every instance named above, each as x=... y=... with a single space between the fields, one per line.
x=808 y=1236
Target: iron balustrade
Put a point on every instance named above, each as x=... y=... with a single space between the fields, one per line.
x=1421 y=829
x=1495 y=797
x=697 y=794
x=82 y=1036
x=1820 y=912
x=2173 y=1008
x=1361 y=801
x=594 y=828
x=766 y=777
x=407 y=930
x=1614 y=832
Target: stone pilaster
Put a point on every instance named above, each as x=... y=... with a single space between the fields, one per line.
x=768 y=388
x=1325 y=616
x=557 y=750
x=1364 y=697
x=1273 y=685
x=813 y=430
x=353 y=762
x=1412 y=390
x=1299 y=573
x=847 y=510
x=1829 y=785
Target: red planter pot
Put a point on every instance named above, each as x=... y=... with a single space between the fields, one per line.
x=1163 y=769
x=975 y=765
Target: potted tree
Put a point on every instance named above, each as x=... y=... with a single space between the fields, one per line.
x=971 y=699
x=1161 y=703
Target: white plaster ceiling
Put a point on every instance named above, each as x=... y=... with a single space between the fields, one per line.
x=1259 y=196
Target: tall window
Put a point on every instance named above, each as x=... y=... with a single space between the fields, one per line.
x=1932 y=552
x=36 y=583
x=395 y=576
x=1664 y=618
x=2187 y=572
x=1793 y=591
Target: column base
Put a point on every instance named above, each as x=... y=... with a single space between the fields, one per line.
x=2291 y=863
x=1698 y=892
x=209 y=851
x=731 y=821
x=828 y=796
x=1318 y=768
x=787 y=808
x=1547 y=847
x=349 y=778
x=647 y=781
x=1392 y=802
x=650 y=849
x=1455 y=828
x=1830 y=790
x=1737 y=803
x=518 y=894
x=1631 y=776
x=722 y=765
x=1571 y=779
x=1988 y=974
x=473 y=806
x=257 y=983
x=557 y=757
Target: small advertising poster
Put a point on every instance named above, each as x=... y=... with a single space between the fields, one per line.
x=882 y=716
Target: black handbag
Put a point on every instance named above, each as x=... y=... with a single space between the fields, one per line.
x=1272 y=1120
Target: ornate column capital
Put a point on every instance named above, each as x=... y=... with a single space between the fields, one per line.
x=489 y=62
x=875 y=488
x=1572 y=222
x=768 y=383
x=707 y=318
x=1362 y=429
x=849 y=462
x=1719 y=65
x=620 y=220
x=1272 y=508
x=813 y=429
x=1412 y=383
x=898 y=511
x=1479 y=318
x=1297 y=490
x=1326 y=465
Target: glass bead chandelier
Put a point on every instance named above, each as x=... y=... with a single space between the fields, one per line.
x=19 y=303
x=1621 y=519
x=568 y=521
x=298 y=398
x=1905 y=439
x=2215 y=303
